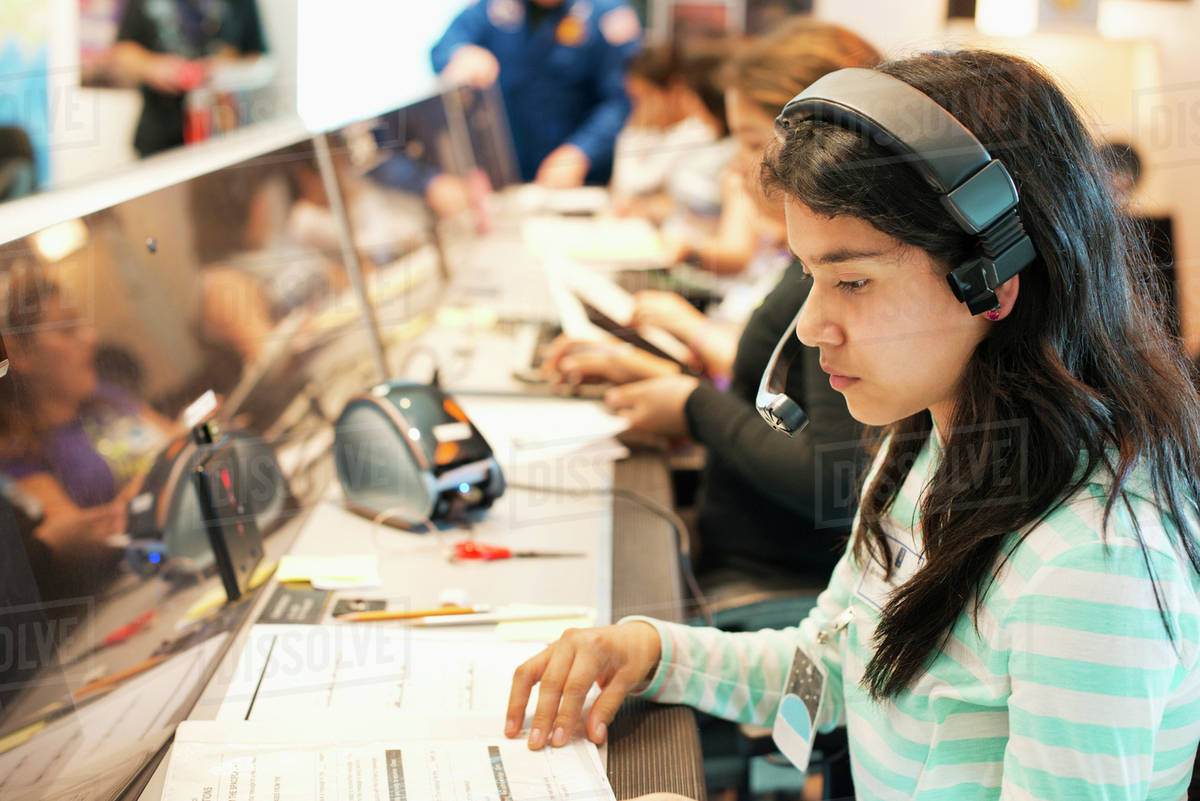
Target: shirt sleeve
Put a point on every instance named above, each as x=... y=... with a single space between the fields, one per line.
x=243 y=28
x=1091 y=670
x=399 y=171
x=467 y=28
x=740 y=676
x=813 y=472
x=136 y=27
x=596 y=136
x=821 y=457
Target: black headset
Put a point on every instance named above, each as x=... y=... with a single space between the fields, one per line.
x=975 y=189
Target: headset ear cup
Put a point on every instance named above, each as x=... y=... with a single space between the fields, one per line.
x=960 y=284
x=971 y=285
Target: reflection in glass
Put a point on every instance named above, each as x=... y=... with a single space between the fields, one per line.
x=115 y=323
x=198 y=64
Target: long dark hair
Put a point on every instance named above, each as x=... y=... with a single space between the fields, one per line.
x=29 y=294
x=1081 y=376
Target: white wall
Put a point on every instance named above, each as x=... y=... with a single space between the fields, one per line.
x=358 y=58
x=896 y=28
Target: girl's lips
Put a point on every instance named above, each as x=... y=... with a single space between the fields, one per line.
x=841 y=382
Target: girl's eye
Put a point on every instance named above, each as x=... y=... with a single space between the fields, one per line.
x=849 y=287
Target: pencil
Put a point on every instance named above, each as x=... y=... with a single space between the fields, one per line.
x=408 y=614
x=501 y=617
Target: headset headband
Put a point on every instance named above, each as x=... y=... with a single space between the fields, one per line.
x=975 y=189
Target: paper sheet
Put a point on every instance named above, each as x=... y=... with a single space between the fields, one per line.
x=614 y=302
x=525 y=430
x=370 y=671
x=344 y=572
x=620 y=241
x=432 y=760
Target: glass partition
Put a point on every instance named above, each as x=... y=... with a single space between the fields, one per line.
x=223 y=297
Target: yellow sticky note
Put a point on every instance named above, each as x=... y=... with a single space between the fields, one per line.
x=327 y=572
x=540 y=630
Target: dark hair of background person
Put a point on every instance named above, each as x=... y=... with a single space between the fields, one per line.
x=18 y=163
x=655 y=64
x=1062 y=382
x=699 y=68
x=772 y=69
x=26 y=303
x=697 y=65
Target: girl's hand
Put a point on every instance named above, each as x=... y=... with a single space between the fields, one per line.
x=617 y=658
x=668 y=311
x=656 y=405
x=473 y=65
x=578 y=361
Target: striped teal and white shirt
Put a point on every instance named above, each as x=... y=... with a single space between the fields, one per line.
x=1069 y=689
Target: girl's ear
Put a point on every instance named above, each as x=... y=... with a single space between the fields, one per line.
x=1006 y=294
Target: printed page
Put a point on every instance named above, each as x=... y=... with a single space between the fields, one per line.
x=370 y=670
x=437 y=759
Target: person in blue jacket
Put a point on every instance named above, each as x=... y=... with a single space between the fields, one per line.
x=561 y=69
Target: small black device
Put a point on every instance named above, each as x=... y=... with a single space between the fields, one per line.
x=167 y=509
x=975 y=189
x=232 y=532
x=408 y=452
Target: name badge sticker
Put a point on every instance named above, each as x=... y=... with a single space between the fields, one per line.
x=795 y=723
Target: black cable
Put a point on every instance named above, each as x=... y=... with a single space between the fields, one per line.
x=649 y=504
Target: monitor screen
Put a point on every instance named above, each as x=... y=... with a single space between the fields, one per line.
x=224 y=297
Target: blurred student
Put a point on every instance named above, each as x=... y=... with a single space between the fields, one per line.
x=561 y=68
x=74 y=445
x=675 y=147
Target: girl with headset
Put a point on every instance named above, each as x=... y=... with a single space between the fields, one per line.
x=1017 y=614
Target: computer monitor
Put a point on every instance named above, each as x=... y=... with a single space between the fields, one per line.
x=117 y=325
